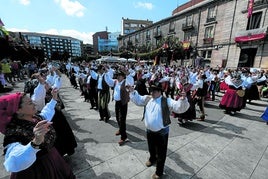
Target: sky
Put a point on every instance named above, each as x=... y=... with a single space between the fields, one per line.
x=80 y=19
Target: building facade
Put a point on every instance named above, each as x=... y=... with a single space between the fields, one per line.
x=53 y=43
x=105 y=41
x=132 y=25
x=96 y=37
x=87 y=49
x=218 y=30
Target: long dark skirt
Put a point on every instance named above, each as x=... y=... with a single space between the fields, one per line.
x=48 y=166
x=253 y=93
x=65 y=142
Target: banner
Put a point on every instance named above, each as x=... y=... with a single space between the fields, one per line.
x=250 y=8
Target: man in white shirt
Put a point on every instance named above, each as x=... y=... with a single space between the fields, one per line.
x=157 y=120
x=121 y=97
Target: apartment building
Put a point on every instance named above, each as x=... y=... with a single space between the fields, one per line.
x=132 y=25
x=218 y=30
x=53 y=43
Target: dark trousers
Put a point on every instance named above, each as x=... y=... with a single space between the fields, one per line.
x=121 y=115
x=93 y=97
x=201 y=103
x=157 y=144
x=212 y=90
x=103 y=101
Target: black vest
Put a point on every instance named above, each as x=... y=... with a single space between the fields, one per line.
x=124 y=94
x=165 y=112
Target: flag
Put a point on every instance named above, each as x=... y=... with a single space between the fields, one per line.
x=250 y=8
x=1 y=23
x=186 y=45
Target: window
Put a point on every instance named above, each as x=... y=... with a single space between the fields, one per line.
x=211 y=14
x=171 y=26
x=187 y=36
x=148 y=35
x=209 y=32
x=137 y=38
x=206 y=54
x=189 y=20
x=254 y=21
x=133 y=25
x=158 y=30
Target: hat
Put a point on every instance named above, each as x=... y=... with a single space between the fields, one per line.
x=120 y=72
x=204 y=76
x=156 y=86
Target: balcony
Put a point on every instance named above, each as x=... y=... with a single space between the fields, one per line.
x=158 y=35
x=172 y=30
x=208 y=40
x=211 y=19
x=186 y=27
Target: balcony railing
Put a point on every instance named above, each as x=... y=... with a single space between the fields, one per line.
x=186 y=27
x=211 y=19
x=208 y=40
x=157 y=34
x=172 y=30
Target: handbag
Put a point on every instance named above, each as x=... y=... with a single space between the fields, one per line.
x=264 y=116
x=240 y=93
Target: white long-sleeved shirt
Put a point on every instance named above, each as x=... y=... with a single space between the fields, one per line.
x=54 y=81
x=38 y=96
x=129 y=81
x=19 y=157
x=153 y=112
x=107 y=76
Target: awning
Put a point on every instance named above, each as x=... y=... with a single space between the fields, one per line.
x=251 y=35
x=250 y=38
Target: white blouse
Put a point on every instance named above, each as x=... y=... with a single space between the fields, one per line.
x=19 y=157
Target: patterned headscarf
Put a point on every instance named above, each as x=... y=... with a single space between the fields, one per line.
x=9 y=104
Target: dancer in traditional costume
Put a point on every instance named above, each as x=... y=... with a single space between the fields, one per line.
x=232 y=100
x=185 y=87
x=29 y=139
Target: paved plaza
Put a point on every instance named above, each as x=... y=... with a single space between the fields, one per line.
x=223 y=146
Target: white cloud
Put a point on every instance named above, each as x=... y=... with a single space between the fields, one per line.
x=17 y=30
x=25 y=2
x=86 y=37
x=145 y=5
x=71 y=8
